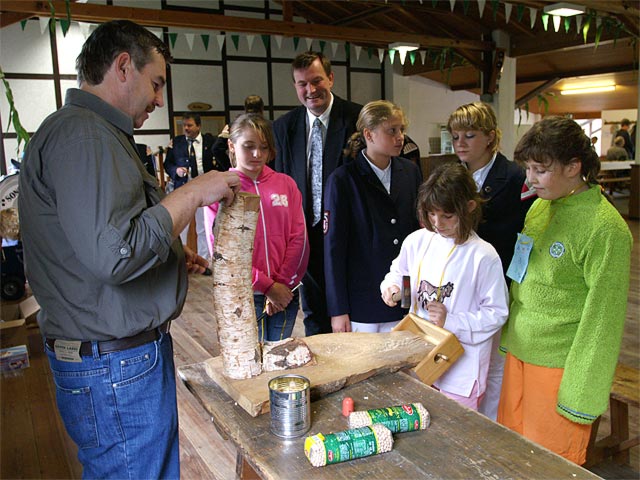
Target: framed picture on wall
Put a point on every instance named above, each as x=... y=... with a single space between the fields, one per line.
x=212 y=124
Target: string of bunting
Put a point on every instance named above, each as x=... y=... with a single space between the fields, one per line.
x=589 y=22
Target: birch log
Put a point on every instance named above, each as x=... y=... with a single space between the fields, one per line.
x=232 y=286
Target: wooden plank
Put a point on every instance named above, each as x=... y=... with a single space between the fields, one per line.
x=341 y=359
x=625 y=385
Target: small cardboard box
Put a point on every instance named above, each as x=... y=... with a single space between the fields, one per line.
x=14 y=358
x=26 y=310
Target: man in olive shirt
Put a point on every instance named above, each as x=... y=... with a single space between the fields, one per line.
x=103 y=261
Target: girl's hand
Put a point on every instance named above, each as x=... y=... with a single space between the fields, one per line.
x=341 y=323
x=279 y=296
x=387 y=295
x=437 y=313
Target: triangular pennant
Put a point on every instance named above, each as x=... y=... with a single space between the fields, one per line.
x=519 y=12
x=23 y=23
x=278 y=39
x=392 y=55
x=481 y=7
x=205 y=41
x=236 y=41
x=567 y=24
x=172 y=39
x=507 y=12
x=423 y=56
x=323 y=44
x=465 y=6
x=65 y=24
x=452 y=3
x=309 y=42
x=495 y=4
x=84 y=29
x=334 y=48
x=347 y=50
x=556 y=22
x=265 y=41
x=579 y=19
x=250 y=39
x=403 y=55
x=532 y=15
x=190 y=37
x=381 y=54
x=545 y=21
x=220 y=38
x=434 y=3
x=44 y=23
x=358 y=49
x=412 y=57
x=296 y=41
x=157 y=33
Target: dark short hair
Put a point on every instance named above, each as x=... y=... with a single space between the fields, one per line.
x=304 y=61
x=625 y=122
x=253 y=104
x=111 y=39
x=450 y=188
x=561 y=140
x=193 y=116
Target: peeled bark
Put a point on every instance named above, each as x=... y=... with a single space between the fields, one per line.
x=232 y=287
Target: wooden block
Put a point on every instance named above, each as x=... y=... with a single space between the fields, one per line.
x=341 y=359
x=439 y=359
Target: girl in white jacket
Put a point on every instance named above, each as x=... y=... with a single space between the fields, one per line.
x=456 y=278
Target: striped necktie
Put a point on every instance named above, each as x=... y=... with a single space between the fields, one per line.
x=193 y=164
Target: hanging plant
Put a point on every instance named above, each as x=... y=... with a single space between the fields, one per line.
x=14 y=118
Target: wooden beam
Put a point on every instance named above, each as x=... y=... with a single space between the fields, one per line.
x=9 y=18
x=85 y=12
x=534 y=93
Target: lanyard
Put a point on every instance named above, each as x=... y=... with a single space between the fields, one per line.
x=446 y=262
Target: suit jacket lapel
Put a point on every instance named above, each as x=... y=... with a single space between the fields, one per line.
x=496 y=178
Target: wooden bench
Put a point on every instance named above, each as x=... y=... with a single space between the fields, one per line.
x=625 y=392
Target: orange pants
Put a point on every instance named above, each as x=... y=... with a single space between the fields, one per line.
x=528 y=406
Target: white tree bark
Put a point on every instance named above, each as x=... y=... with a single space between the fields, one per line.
x=232 y=287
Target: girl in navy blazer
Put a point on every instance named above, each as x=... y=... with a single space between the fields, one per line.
x=370 y=207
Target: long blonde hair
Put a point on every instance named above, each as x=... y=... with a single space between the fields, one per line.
x=372 y=114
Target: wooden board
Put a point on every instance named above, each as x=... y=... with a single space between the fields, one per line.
x=341 y=359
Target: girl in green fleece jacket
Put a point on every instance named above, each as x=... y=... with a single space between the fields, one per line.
x=570 y=275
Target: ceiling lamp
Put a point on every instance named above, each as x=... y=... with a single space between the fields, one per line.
x=577 y=91
x=403 y=48
x=564 y=9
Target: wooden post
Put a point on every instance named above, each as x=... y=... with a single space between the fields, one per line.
x=232 y=287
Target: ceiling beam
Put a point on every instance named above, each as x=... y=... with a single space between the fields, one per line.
x=8 y=18
x=534 y=93
x=86 y=12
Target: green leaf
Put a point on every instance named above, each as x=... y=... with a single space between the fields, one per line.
x=14 y=118
x=598 y=35
x=67 y=22
x=585 y=28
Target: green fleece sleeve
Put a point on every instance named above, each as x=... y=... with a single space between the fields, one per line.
x=590 y=365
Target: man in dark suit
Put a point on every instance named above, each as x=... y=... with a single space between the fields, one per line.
x=296 y=150
x=189 y=155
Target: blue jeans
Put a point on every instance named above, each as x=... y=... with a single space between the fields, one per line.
x=120 y=409
x=280 y=325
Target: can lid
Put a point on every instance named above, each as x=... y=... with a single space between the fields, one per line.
x=289 y=383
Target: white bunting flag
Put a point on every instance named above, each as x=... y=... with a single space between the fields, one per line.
x=250 y=39
x=532 y=15
x=189 y=37
x=507 y=12
x=220 y=38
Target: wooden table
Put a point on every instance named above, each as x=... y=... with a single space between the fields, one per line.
x=459 y=444
x=614 y=172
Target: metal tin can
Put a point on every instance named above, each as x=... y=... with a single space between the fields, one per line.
x=289 y=399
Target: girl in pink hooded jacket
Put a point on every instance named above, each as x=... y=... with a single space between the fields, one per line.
x=280 y=249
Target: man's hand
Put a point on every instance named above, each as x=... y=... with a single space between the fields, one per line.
x=182 y=171
x=195 y=263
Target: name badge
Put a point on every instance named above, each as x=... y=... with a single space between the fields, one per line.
x=67 y=350
x=520 y=261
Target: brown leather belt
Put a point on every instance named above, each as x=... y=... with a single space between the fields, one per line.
x=110 y=346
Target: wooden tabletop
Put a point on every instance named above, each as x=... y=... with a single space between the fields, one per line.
x=459 y=444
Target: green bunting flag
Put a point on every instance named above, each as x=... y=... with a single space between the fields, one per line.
x=323 y=44
x=465 y=6
x=23 y=23
x=519 y=12
x=65 y=24
x=412 y=57
x=567 y=24
x=265 y=41
x=496 y=4
x=392 y=55
x=545 y=21
x=296 y=41
x=172 y=39
x=236 y=40
x=347 y=50
x=205 y=41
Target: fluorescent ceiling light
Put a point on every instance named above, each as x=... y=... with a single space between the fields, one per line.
x=564 y=9
x=577 y=91
x=402 y=48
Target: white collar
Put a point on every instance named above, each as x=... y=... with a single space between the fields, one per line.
x=324 y=117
